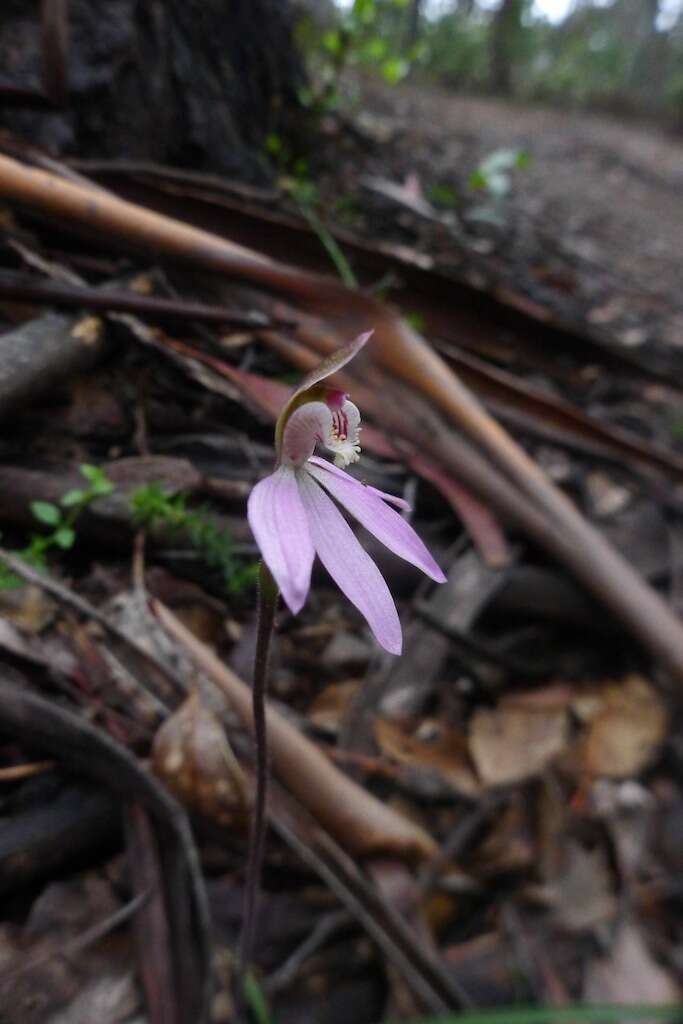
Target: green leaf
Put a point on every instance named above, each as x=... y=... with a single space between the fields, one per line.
x=91 y=473
x=102 y=487
x=273 y=144
x=8 y=581
x=416 y=321
x=46 y=512
x=300 y=169
x=609 y=1014
x=98 y=480
x=364 y=10
x=34 y=554
x=64 y=537
x=500 y=160
x=443 y=195
x=477 y=179
x=332 y=41
x=256 y=999
x=375 y=48
x=305 y=97
x=72 y=498
x=394 y=69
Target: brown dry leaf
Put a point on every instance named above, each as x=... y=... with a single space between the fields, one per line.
x=583 y=894
x=203 y=619
x=330 y=706
x=510 y=845
x=27 y=607
x=192 y=756
x=142 y=284
x=627 y=725
x=607 y=497
x=629 y=975
x=434 y=746
x=517 y=739
x=88 y=329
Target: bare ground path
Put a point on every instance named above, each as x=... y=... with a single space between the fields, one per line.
x=593 y=226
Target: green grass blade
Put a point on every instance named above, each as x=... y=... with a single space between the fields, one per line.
x=610 y=1014
x=329 y=242
x=256 y=999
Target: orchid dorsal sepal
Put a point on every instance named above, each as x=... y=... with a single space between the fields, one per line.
x=294 y=512
x=307 y=391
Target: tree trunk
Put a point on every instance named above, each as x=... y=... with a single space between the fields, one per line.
x=414 y=13
x=195 y=83
x=648 y=66
x=506 y=29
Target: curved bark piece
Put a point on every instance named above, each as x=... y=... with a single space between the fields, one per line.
x=89 y=752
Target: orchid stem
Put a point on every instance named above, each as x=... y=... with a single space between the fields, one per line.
x=267 y=606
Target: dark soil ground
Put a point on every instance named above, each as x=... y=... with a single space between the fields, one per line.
x=591 y=228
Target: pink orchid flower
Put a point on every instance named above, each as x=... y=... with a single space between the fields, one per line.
x=293 y=517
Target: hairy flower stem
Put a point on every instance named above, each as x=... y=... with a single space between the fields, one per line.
x=267 y=606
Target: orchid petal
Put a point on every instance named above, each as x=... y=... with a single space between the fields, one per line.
x=280 y=526
x=393 y=499
x=381 y=521
x=308 y=425
x=349 y=565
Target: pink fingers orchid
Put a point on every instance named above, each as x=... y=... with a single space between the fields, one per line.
x=293 y=516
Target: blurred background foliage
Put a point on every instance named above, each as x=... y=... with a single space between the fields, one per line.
x=619 y=55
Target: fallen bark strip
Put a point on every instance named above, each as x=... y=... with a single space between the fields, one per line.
x=423 y=971
x=55 y=45
x=43 y=352
x=20 y=286
x=331 y=314
x=360 y=822
x=39 y=841
x=561 y=418
x=153 y=938
x=39 y=723
x=167 y=686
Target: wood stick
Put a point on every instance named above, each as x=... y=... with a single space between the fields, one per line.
x=360 y=823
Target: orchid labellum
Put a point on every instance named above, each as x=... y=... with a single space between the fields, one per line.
x=293 y=513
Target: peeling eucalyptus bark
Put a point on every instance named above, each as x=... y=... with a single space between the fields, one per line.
x=193 y=83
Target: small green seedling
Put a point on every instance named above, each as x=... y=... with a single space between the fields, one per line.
x=60 y=520
x=493 y=175
x=152 y=506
